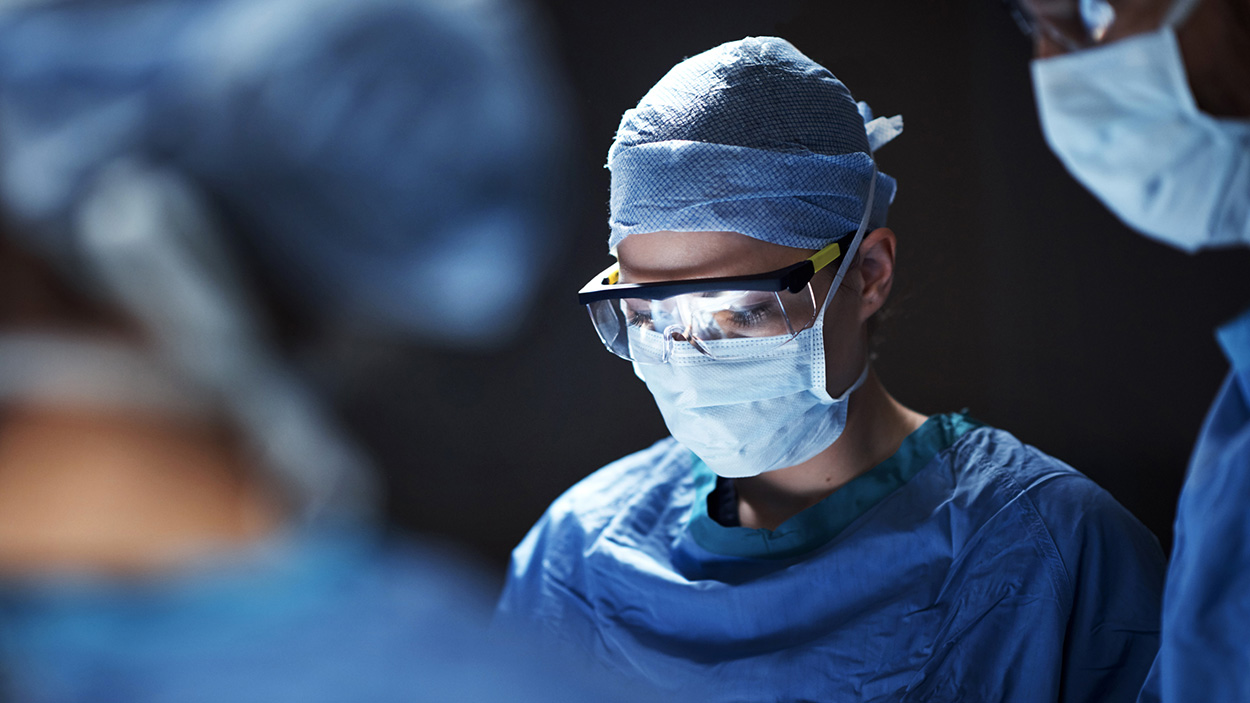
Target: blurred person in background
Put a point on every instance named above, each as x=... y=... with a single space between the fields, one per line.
x=1147 y=104
x=197 y=195
x=803 y=535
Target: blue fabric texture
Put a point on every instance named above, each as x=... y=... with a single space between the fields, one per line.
x=1205 y=650
x=750 y=137
x=322 y=615
x=378 y=157
x=984 y=571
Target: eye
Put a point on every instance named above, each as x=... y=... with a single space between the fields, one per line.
x=638 y=318
x=751 y=317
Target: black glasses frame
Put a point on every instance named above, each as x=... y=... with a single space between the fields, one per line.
x=793 y=278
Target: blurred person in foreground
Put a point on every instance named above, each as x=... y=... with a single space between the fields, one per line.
x=196 y=194
x=1147 y=103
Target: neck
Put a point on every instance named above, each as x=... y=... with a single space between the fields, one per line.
x=120 y=493
x=876 y=425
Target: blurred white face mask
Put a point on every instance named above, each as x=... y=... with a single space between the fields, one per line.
x=1122 y=119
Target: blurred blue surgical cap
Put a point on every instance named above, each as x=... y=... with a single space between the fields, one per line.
x=383 y=161
x=750 y=137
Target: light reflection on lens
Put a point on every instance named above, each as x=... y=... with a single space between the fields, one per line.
x=646 y=330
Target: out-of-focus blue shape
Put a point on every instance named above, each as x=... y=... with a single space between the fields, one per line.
x=968 y=566
x=307 y=616
x=1205 y=650
x=387 y=161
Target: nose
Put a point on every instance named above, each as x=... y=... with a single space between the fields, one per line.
x=672 y=334
x=676 y=333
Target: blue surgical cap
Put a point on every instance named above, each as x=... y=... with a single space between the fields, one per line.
x=750 y=137
x=378 y=161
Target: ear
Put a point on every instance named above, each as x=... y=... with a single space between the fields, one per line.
x=876 y=270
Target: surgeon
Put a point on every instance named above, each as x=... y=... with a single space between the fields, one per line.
x=1148 y=106
x=197 y=197
x=803 y=535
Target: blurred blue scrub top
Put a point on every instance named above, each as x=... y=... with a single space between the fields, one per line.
x=1205 y=650
x=324 y=615
x=967 y=567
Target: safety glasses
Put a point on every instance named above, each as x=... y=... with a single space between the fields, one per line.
x=1072 y=24
x=721 y=318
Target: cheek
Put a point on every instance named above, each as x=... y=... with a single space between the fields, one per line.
x=845 y=344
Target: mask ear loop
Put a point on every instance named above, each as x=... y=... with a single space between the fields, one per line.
x=820 y=390
x=853 y=249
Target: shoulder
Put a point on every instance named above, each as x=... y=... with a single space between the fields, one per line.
x=1055 y=556
x=987 y=459
x=1068 y=514
x=621 y=487
x=621 y=502
x=628 y=495
x=986 y=455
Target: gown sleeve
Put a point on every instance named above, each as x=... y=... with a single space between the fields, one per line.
x=1115 y=569
x=1205 y=655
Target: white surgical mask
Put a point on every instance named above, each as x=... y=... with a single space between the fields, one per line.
x=1122 y=119
x=754 y=413
x=744 y=417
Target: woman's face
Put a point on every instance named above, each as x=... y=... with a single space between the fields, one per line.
x=668 y=256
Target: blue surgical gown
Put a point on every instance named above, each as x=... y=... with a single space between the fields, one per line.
x=967 y=567
x=1205 y=650
x=308 y=616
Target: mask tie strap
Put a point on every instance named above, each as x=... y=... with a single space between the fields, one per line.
x=854 y=246
x=1179 y=12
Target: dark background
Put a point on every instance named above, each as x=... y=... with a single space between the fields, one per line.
x=1018 y=297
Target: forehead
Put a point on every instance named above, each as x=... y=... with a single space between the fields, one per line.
x=668 y=256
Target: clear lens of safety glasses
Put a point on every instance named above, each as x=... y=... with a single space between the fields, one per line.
x=1073 y=24
x=648 y=331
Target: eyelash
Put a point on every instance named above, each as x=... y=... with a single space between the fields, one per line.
x=638 y=319
x=749 y=316
x=742 y=318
